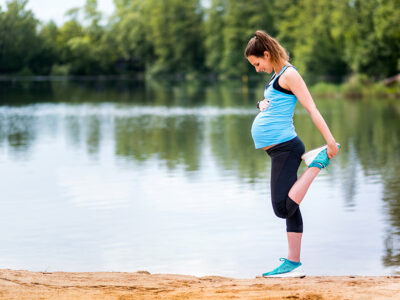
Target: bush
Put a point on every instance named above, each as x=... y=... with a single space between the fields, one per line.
x=354 y=87
x=325 y=89
x=26 y=71
x=60 y=70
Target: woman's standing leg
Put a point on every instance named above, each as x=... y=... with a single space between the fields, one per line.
x=294 y=245
x=286 y=159
x=294 y=225
x=298 y=190
x=297 y=193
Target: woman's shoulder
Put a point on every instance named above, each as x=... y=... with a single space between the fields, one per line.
x=291 y=69
x=291 y=74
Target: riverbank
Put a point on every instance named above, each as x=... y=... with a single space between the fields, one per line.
x=359 y=87
x=143 y=285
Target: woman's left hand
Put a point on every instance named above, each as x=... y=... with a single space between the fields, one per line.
x=264 y=104
x=332 y=150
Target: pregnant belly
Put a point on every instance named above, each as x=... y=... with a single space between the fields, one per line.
x=260 y=130
x=271 y=127
x=261 y=125
x=264 y=132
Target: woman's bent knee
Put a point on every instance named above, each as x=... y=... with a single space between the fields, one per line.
x=280 y=212
x=285 y=209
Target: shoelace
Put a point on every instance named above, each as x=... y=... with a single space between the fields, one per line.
x=286 y=265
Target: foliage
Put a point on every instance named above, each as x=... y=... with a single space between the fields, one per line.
x=360 y=85
x=17 y=30
x=327 y=40
x=325 y=89
x=243 y=18
x=371 y=34
x=213 y=35
x=175 y=35
x=311 y=30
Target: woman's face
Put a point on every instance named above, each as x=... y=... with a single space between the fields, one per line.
x=261 y=64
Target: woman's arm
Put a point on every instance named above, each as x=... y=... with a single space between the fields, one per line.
x=296 y=84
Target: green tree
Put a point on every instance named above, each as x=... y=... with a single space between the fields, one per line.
x=131 y=32
x=48 y=51
x=18 y=40
x=371 y=31
x=86 y=51
x=310 y=31
x=69 y=31
x=242 y=19
x=213 y=35
x=175 y=32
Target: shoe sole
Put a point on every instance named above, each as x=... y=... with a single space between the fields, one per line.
x=309 y=156
x=297 y=273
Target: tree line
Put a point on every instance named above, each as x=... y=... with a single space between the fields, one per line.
x=327 y=40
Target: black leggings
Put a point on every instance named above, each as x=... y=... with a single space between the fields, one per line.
x=285 y=160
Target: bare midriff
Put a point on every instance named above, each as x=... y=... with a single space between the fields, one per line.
x=268 y=147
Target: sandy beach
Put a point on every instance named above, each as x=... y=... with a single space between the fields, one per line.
x=19 y=284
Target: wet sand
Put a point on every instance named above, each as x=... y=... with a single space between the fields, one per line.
x=143 y=285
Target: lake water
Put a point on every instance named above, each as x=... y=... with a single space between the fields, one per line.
x=124 y=176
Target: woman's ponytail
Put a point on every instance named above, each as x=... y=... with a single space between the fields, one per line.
x=262 y=41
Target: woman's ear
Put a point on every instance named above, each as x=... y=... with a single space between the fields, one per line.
x=266 y=54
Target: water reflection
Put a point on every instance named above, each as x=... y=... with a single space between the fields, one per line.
x=391 y=197
x=19 y=133
x=175 y=140
x=182 y=127
x=94 y=135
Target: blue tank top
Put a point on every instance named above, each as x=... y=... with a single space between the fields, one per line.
x=275 y=124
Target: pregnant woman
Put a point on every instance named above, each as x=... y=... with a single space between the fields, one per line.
x=273 y=131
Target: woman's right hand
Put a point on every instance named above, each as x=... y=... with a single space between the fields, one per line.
x=264 y=104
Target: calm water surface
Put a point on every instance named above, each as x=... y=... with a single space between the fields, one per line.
x=122 y=176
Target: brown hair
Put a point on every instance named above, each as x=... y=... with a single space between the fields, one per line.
x=262 y=41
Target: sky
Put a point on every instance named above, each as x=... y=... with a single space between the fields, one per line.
x=46 y=10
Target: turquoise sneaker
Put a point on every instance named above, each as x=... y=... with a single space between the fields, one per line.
x=317 y=157
x=287 y=269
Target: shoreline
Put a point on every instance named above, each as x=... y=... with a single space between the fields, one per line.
x=20 y=284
